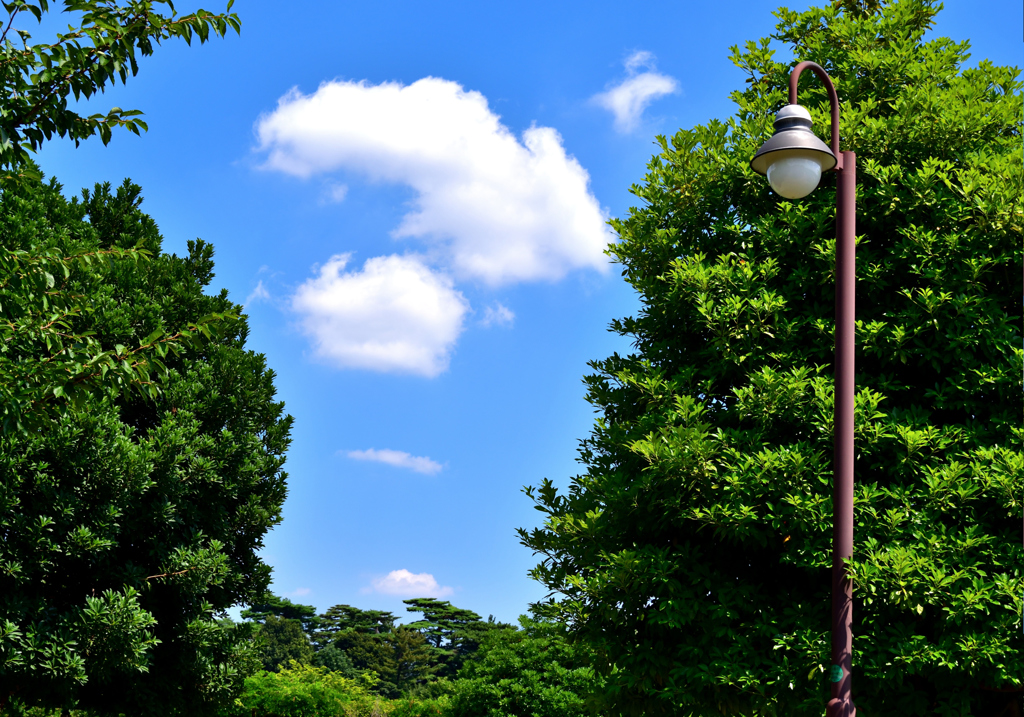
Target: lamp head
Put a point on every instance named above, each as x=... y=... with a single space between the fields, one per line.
x=793 y=158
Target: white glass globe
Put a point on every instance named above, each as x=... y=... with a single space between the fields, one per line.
x=794 y=175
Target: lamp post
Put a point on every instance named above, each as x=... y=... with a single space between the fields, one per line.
x=793 y=159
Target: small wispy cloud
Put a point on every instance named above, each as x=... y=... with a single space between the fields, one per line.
x=258 y=294
x=628 y=99
x=300 y=592
x=406 y=584
x=497 y=315
x=336 y=193
x=639 y=60
x=399 y=459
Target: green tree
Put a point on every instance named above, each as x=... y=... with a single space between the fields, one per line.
x=693 y=552
x=334 y=660
x=368 y=641
x=532 y=672
x=399 y=659
x=284 y=641
x=48 y=360
x=342 y=619
x=371 y=654
x=350 y=640
x=452 y=632
x=411 y=660
x=303 y=691
x=44 y=363
x=271 y=604
x=102 y=47
x=130 y=522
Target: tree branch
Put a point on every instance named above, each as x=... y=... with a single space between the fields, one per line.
x=170 y=575
x=9 y=23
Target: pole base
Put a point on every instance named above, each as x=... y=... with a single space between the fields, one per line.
x=840 y=708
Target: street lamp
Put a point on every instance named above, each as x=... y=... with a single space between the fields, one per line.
x=793 y=159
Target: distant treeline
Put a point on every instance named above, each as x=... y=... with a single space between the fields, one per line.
x=450 y=661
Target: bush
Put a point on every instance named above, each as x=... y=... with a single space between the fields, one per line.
x=306 y=691
x=532 y=672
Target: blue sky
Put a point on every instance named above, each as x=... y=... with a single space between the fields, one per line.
x=409 y=199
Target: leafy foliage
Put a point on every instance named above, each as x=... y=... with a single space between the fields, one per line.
x=304 y=691
x=398 y=660
x=44 y=363
x=452 y=632
x=46 y=360
x=334 y=660
x=283 y=642
x=401 y=660
x=345 y=619
x=271 y=604
x=693 y=554
x=129 y=521
x=38 y=80
x=409 y=662
x=532 y=672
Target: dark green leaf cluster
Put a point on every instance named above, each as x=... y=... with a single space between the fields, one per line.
x=283 y=608
x=38 y=80
x=405 y=658
x=334 y=660
x=531 y=672
x=693 y=554
x=50 y=357
x=283 y=641
x=344 y=618
x=453 y=633
x=129 y=520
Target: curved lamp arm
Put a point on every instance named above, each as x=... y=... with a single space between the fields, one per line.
x=833 y=100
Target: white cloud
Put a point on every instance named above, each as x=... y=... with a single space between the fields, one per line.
x=641 y=59
x=260 y=293
x=336 y=192
x=395 y=315
x=628 y=99
x=498 y=315
x=406 y=584
x=300 y=592
x=399 y=459
x=500 y=210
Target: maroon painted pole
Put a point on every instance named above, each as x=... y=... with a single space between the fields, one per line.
x=841 y=702
x=841 y=705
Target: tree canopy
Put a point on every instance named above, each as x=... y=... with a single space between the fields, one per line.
x=100 y=48
x=271 y=604
x=452 y=632
x=141 y=448
x=44 y=362
x=283 y=641
x=396 y=659
x=529 y=672
x=693 y=552
x=130 y=521
x=534 y=671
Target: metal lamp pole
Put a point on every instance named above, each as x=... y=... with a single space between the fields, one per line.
x=789 y=158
